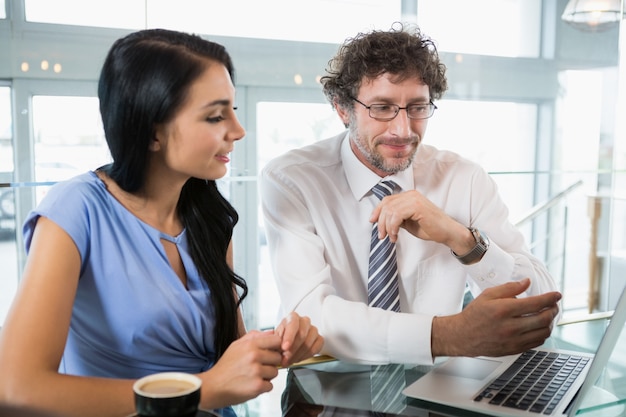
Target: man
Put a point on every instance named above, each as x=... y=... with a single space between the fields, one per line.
x=444 y=216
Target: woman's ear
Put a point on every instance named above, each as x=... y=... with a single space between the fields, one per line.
x=155 y=145
x=157 y=137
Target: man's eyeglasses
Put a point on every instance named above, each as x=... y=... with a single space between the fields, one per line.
x=386 y=112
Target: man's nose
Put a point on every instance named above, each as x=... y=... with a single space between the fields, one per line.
x=401 y=124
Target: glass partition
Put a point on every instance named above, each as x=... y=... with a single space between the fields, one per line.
x=8 y=257
x=69 y=139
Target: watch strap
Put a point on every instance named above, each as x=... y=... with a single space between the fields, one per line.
x=478 y=251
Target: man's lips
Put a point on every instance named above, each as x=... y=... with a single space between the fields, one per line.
x=397 y=145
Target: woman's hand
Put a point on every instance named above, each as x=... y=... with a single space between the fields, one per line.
x=250 y=363
x=243 y=372
x=299 y=339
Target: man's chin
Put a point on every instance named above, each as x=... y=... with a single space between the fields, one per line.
x=395 y=165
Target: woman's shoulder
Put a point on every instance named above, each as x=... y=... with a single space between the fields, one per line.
x=83 y=187
x=70 y=200
x=71 y=204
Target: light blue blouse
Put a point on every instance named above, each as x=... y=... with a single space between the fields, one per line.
x=132 y=316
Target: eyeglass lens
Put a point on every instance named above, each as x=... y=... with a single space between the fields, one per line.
x=390 y=111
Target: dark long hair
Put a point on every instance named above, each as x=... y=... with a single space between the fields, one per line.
x=402 y=51
x=144 y=81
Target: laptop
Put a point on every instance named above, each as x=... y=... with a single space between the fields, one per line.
x=474 y=384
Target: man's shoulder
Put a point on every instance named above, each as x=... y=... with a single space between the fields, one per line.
x=429 y=154
x=321 y=154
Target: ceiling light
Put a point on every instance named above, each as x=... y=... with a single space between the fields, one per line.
x=593 y=15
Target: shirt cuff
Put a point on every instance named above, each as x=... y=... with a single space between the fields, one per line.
x=409 y=339
x=495 y=268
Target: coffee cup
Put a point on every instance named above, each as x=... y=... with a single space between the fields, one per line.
x=167 y=394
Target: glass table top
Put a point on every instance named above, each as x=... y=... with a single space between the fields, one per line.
x=336 y=388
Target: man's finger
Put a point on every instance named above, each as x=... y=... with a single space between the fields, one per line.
x=508 y=290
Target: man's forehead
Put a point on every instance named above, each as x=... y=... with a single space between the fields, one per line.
x=387 y=77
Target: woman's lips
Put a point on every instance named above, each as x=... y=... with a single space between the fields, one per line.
x=223 y=158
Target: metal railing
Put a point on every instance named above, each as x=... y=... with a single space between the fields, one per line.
x=542 y=208
x=550 y=243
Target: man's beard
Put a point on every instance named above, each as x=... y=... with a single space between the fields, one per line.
x=376 y=159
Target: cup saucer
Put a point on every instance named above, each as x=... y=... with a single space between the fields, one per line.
x=199 y=413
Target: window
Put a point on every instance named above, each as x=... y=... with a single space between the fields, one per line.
x=121 y=14
x=486 y=132
x=8 y=260
x=310 y=20
x=69 y=138
x=508 y=28
x=304 y=20
x=283 y=126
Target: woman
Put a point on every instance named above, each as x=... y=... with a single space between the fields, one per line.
x=129 y=268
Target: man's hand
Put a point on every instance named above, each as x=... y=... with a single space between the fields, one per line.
x=420 y=217
x=496 y=323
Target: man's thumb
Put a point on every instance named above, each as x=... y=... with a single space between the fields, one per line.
x=511 y=289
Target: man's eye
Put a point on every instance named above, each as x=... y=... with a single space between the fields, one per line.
x=418 y=109
x=382 y=107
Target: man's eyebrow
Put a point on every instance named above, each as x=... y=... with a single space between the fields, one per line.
x=386 y=100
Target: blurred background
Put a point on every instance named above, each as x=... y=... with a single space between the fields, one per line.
x=537 y=88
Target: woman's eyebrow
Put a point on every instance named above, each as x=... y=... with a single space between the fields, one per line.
x=221 y=102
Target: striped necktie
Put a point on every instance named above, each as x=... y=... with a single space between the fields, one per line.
x=382 y=284
x=387 y=381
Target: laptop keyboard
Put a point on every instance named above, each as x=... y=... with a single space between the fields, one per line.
x=535 y=382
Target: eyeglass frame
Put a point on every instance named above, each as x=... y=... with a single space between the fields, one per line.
x=398 y=108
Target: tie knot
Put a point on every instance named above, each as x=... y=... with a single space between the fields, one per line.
x=383 y=189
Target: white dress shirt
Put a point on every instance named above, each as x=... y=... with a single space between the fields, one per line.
x=317 y=204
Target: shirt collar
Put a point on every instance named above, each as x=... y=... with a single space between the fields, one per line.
x=361 y=179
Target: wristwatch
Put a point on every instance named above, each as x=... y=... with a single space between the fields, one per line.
x=476 y=254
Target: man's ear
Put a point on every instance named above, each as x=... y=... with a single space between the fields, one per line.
x=343 y=114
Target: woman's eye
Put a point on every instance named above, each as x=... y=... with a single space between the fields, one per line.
x=215 y=119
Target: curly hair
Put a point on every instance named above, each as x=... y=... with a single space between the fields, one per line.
x=402 y=51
